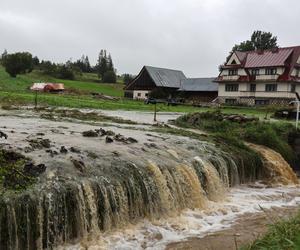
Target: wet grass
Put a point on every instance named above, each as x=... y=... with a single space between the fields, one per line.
x=274 y=135
x=58 y=114
x=281 y=235
x=12 y=176
x=84 y=85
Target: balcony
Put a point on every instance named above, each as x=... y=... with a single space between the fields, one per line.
x=275 y=94
x=266 y=77
x=230 y=78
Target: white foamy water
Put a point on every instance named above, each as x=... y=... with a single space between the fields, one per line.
x=155 y=235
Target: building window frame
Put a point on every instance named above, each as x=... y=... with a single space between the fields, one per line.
x=271 y=87
x=271 y=71
x=231 y=101
x=232 y=87
x=232 y=72
x=252 y=87
x=255 y=72
x=293 y=87
x=260 y=102
x=139 y=94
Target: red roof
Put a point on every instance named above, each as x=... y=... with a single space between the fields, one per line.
x=268 y=58
x=281 y=57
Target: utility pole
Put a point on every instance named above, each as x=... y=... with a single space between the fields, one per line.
x=35 y=99
x=155 y=111
x=298 y=109
x=297 y=116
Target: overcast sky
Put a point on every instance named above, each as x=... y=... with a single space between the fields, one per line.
x=191 y=35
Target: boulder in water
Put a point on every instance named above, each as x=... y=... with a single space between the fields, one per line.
x=78 y=164
x=90 y=133
x=3 y=135
x=34 y=170
x=63 y=150
x=108 y=139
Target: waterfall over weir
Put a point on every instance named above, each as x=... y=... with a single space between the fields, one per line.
x=117 y=189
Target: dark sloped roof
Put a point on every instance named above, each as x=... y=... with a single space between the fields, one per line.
x=199 y=84
x=165 y=77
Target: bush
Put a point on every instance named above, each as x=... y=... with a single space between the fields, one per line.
x=64 y=72
x=109 y=77
x=18 y=63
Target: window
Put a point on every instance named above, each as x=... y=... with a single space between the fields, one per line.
x=271 y=71
x=138 y=94
x=271 y=87
x=232 y=72
x=252 y=87
x=262 y=102
x=231 y=101
x=293 y=88
x=231 y=87
x=233 y=62
x=255 y=72
x=146 y=95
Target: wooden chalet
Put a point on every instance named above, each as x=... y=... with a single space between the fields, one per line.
x=164 y=81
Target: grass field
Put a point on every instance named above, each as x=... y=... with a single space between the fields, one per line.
x=22 y=83
x=78 y=95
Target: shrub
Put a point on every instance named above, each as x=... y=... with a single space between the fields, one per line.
x=18 y=63
x=109 y=77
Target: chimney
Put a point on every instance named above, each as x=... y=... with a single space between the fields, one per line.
x=259 y=51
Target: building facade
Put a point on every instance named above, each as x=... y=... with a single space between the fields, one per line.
x=164 y=81
x=170 y=83
x=269 y=77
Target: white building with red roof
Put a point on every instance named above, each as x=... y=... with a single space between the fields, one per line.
x=260 y=77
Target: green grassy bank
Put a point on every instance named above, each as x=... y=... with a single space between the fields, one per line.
x=283 y=235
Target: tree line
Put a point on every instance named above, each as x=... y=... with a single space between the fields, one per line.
x=25 y=62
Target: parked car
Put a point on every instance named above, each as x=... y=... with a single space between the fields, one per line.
x=154 y=101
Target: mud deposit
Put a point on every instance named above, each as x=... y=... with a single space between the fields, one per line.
x=118 y=187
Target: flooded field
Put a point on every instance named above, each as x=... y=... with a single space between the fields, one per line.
x=108 y=185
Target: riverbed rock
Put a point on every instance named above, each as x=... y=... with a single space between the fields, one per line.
x=108 y=139
x=78 y=164
x=103 y=132
x=63 y=150
x=39 y=143
x=131 y=140
x=74 y=150
x=90 y=133
x=3 y=135
x=34 y=170
x=52 y=152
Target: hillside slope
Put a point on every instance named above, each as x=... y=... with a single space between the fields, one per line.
x=23 y=82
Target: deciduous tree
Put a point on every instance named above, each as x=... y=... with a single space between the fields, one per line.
x=18 y=63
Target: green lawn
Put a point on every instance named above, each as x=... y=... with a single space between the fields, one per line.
x=78 y=95
x=22 y=83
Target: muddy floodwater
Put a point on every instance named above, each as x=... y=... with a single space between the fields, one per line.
x=107 y=185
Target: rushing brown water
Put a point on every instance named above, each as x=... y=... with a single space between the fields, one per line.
x=277 y=169
x=114 y=184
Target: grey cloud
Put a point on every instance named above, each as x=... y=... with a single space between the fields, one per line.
x=192 y=35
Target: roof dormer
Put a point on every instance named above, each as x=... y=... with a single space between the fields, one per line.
x=233 y=60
